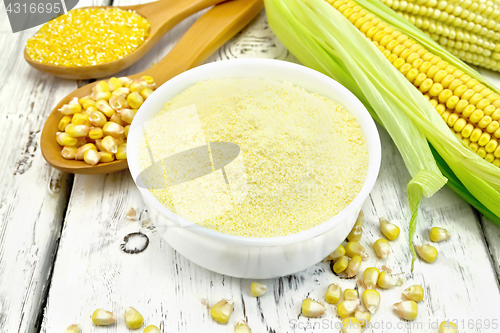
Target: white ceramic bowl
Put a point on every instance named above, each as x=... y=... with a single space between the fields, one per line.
x=255 y=257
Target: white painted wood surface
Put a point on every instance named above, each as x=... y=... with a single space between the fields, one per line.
x=91 y=271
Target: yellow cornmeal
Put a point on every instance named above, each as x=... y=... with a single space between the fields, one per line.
x=303 y=157
x=89 y=36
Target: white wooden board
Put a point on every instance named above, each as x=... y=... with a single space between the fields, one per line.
x=92 y=272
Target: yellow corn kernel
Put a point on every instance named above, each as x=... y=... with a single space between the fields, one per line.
x=102 y=317
x=370 y=277
x=414 y=293
x=68 y=152
x=113 y=129
x=95 y=133
x=341 y=264
x=354 y=248
x=118 y=102
x=125 y=130
x=114 y=83
x=77 y=131
x=381 y=248
x=64 y=139
x=91 y=156
x=145 y=93
x=109 y=144
x=385 y=280
x=151 y=329
x=339 y=252
x=439 y=234
x=138 y=85
x=80 y=142
x=407 y=310
x=81 y=118
x=105 y=96
x=448 y=327
x=116 y=118
x=258 y=289
x=353 y=266
x=242 y=327
x=125 y=81
x=148 y=79
x=103 y=106
x=63 y=123
x=388 y=229
x=133 y=319
x=371 y=300
x=333 y=293
x=121 y=153
x=71 y=108
x=97 y=118
x=355 y=234
x=351 y=325
x=106 y=157
x=347 y=308
x=100 y=86
x=350 y=294
x=86 y=102
x=74 y=328
x=135 y=100
x=312 y=308
x=127 y=115
x=427 y=252
x=222 y=310
x=363 y=317
x=120 y=91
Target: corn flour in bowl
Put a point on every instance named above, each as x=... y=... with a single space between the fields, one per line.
x=255 y=174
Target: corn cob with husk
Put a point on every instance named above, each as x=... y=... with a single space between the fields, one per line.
x=442 y=115
x=468 y=29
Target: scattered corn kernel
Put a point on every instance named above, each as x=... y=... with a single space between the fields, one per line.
x=258 y=289
x=354 y=248
x=74 y=328
x=361 y=219
x=71 y=108
x=389 y=230
x=102 y=317
x=97 y=118
x=312 y=308
x=77 y=131
x=339 y=252
x=437 y=234
x=118 y=102
x=109 y=144
x=121 y=153
x=347 y=308
x=151 y=329
x=242 y=327
x=133 y=319
x=68 y=152
x=63 y=123
x=333 y=293
x=370 y=277
x=103 y=106
x=107 y=35
x=448 y=327
x=385 y=280
x=350 y=294
x=96 y=133
x=146 y=92
x=371 y=300
x=113 y=129
x=427 y=252
x=135 y=100
x=222 y=310
x=351 y=325
x=381 y=248
x=64 y=139
x=106 y=157
x=414 y=293
x=341 y=264
x=355 y=234
x=353 y=266
x=407 y=310
x=363 y=317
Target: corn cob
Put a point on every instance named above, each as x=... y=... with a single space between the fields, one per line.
x=468 y=107
x=467 y=29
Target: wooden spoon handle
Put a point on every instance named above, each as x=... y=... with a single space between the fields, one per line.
x=206 y=35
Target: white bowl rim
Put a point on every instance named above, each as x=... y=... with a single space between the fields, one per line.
x=370 y=131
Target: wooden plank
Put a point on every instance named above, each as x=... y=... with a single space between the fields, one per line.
x=33 y=195
x=92 y=272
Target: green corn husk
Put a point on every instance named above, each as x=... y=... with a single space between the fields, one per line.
x=323 y=39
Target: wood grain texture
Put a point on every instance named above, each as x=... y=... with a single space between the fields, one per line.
x=91 y=271
x=33 y=195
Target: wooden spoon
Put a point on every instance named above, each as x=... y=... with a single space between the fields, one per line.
x=163 y=16
x=206 y=35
